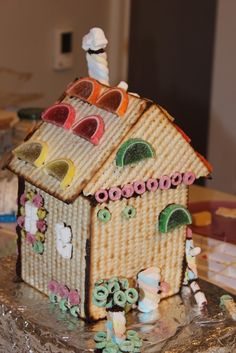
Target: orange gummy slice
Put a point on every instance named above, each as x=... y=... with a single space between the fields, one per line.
x=114 y=100
x=85 y=88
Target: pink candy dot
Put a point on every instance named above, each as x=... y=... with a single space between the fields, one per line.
x=139 y=187
x=101 y=195
x=74 y=297
x=165 y=182
x=115 y=193
x=152 y=184
x=127 y=190
x=30 y=238
x=189 y=178
x=176 y=178
x=53 y=286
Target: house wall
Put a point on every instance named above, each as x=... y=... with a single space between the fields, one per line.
x=38 y=270
x=122 y=247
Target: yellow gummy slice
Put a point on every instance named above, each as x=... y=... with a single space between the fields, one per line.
x=33 y=152
x=61 y=169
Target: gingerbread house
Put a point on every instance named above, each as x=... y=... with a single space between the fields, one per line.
x=104 y=192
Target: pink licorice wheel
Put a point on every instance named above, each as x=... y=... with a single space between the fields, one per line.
x=114 y=193
x=139 y=187
x=101 y=195
x=127 y=190
x=189 y=178
x=176 y=179
x=152 y=184
x=165 y=182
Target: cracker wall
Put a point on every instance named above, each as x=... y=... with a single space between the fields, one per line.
x=38 y=270
x=123 y=247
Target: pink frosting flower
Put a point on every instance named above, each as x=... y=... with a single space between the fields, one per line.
x=41 y=225
x=165 y=287
x=63 y=291
x=21 y=221
x=38 y=201
x=30 y=238
x=74 y=297
x=53 y=286
x=23 y=199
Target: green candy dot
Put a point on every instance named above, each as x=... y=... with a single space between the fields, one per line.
x=99 y=303
x=63 y=305
x=74 y=310
x=100 y=336
x=126 y=346
x=104 y=215
x=120 y=298
x=38 y=247
x=113 y=287
x=124 y=283
x=101 y=345
x=131 y=295
x=53 y=298
x=100 y=292
x=131 y=334
x=129 y=212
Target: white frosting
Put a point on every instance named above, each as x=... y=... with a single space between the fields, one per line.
x=116 y=326
x=63 y=240
x=123 y=85
x=149 y=284
x=94 y=40
x=31 y=217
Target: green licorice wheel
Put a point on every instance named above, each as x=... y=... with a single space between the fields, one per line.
x=113 y=287
x=38 y=247
x=120 y=298
x=124 y=283
x=100 y=345
x=99 y=303
x=113 y=279
x=100 y=281
x=63 y=305
x=138 y=343
x=129 y=212
x=131 y=295
x=100 y=293
x=100 y=336
x=126 y=346
x=110 y=350
x=74 y=310
x=112 y=347
x=131 y=335
x=53 y=298
x=104 y=215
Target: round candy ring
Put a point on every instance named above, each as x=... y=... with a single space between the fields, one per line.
x=176 y=178
x=139 y=187
x=101 y=195
x=127 y=190
x=165 y=182
x=189 y=178
x=114 y=193
x=152 y=184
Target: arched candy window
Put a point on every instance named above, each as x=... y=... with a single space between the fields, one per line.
x=61 y=114
x=86 y=89
x=133 y=151
x=114 y=100
x=173 y=216
x=33 y=152
x=90 y=128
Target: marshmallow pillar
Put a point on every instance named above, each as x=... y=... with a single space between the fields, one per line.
x=149 y=286
x=94 y=44
x=116 y=326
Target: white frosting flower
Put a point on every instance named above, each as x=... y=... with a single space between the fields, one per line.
x=94 y=40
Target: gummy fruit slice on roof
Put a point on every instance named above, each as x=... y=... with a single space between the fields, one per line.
x=173 y=216
x=61 y=114
x=114 y=100
x=34 y=152
x=61 y=169
x=86 y=88
x=133 y=151
x=90 y=128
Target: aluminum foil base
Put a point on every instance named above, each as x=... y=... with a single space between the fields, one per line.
x=30 y=324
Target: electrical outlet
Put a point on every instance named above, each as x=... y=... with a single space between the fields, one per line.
x=63 y=49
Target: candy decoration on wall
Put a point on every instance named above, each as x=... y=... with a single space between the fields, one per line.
x=115 y=100
x=67 y=299
x=61 y=114
x=133 y=151
x=149 y=282
x=173 y=216
x=191 y=275
x=32 y=220
x=115 y=295
x=94 y=43
x=90 y=128
x=87 y=89
x=63 y=240
x=33 y=152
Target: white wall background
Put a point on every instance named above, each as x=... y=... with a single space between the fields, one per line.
x=222 y=137
x=27 y=77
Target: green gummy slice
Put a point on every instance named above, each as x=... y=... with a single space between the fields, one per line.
x=133 y=151
x=173 y=216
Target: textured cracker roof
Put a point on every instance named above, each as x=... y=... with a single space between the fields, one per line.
x=95 y=165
